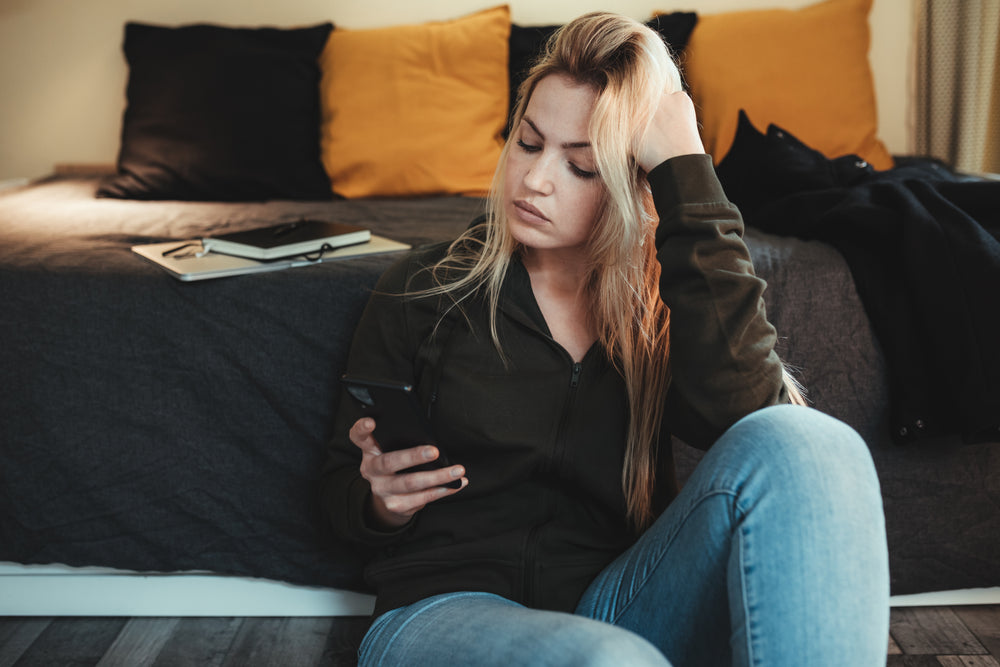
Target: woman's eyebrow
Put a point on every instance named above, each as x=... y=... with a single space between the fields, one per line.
x=568 y=144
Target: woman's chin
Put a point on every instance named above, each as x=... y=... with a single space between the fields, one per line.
x=527 y=235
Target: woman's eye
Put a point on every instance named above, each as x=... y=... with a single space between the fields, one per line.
x=577 y=171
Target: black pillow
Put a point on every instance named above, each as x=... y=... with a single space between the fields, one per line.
x=675 y=28
x=220 y=113
x=527 y=42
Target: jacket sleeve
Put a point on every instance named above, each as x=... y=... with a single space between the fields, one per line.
x=379 y=349
x=723 y=363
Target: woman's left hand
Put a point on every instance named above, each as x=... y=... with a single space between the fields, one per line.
x=673 y=132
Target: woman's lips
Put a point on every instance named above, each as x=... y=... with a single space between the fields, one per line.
x=529 y=212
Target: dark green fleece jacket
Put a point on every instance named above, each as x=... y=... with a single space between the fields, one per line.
x=542 y=438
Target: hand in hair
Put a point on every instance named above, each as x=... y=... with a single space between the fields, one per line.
x=397 y=497
x=673 y=131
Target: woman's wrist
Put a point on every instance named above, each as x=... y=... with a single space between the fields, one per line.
x=379 y=519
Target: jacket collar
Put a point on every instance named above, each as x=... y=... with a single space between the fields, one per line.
x=517 y=300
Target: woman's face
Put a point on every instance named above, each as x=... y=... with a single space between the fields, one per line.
x=553 y=193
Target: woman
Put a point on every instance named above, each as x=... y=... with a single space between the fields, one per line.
x=606 y=302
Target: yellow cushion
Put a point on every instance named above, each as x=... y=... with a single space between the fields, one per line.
x=805 y=70
x=415 y=109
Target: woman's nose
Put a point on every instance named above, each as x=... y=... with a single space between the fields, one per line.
x=538 y=177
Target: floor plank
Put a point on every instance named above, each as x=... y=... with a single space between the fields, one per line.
x=984 y=622
x=932 y=631
x=73 y=642
x=199 y=641
x=139 y=642
x=343 y=641
x=968 y=661
x=912 y=661
x=267 y=642
x=16 y=635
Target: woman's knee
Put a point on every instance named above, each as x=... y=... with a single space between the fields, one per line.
x=793 y=435
x=598 y=644
x=805 y=456
x=489 y=630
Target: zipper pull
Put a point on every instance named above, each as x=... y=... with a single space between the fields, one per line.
x=575 y=379
x=431 y=402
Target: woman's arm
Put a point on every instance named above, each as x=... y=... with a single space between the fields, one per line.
x=721 y=344
x=365 y=500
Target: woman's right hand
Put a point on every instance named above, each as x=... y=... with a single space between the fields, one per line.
x=673 y=131
x=397 y=497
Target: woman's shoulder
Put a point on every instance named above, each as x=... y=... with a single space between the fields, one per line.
x=412 y=267
x=434 y=264
x=428 y=255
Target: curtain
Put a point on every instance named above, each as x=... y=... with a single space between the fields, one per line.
x=958 y=83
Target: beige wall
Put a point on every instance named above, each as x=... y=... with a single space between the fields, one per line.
x=62 y=74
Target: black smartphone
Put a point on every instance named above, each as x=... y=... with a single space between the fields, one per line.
x=399 y=421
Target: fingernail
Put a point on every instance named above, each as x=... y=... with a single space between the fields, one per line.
x=457 y=472
x=428 y=453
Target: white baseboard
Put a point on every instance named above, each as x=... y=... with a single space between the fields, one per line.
x=959 y=597
x=58 y=590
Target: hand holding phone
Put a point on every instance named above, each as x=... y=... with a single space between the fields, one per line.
x=395 y=498
x=399 y=422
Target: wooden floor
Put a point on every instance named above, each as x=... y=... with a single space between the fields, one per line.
x=921 y=637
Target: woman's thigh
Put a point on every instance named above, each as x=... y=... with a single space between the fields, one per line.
x=774 y=549
x=484 y=629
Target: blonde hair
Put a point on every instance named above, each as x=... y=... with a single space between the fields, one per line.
x=629 y=67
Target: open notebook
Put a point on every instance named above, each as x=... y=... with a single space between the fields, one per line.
x=188 y=260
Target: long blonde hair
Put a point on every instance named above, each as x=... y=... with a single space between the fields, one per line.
x=629 y=67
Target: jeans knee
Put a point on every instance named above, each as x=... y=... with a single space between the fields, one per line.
x=809 y=453
x=608 y=646
x=797 y=434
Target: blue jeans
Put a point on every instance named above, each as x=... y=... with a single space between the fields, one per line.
x=774 y=553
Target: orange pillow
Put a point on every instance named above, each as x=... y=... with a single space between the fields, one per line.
x=415 y=109
x=805 y=70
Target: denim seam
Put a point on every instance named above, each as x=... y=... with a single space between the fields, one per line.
x=664 y=548
x=745 y=593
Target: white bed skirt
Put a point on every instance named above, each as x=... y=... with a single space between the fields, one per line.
x=58 y=590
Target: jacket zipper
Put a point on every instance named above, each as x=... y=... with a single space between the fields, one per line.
x=575 y=379
x=531 y=542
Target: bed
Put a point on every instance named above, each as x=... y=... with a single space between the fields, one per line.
x=155 y=425
x=152 y=425
x=148 y=418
